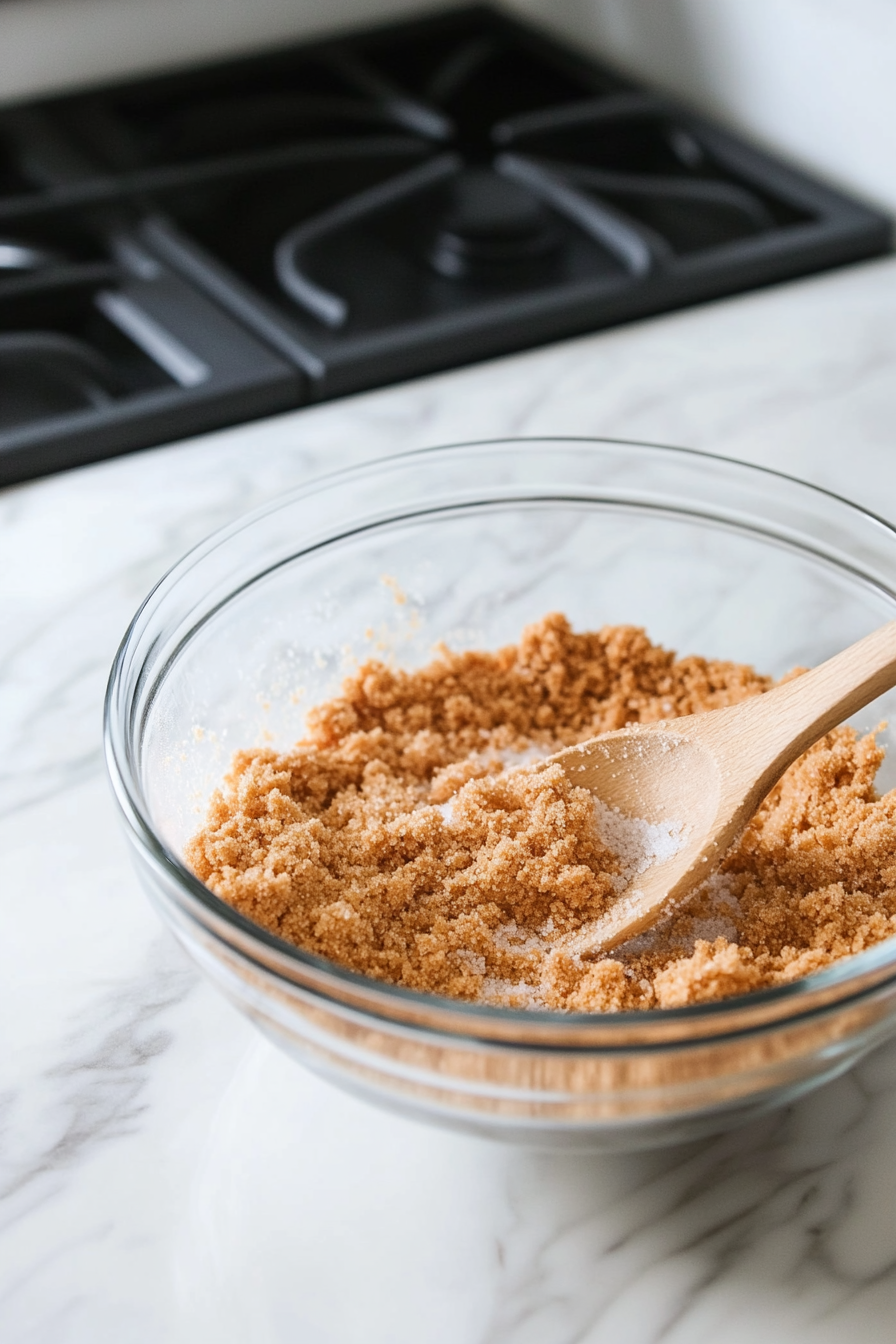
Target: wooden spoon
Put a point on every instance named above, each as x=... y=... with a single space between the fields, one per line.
x=706 y=774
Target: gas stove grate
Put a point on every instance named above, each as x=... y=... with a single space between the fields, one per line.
x=371 y=208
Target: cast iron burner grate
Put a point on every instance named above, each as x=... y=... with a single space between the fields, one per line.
x=371 y=208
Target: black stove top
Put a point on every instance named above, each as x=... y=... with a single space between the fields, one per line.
x=197 y=249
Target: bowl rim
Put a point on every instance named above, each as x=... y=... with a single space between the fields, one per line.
x=850 y=978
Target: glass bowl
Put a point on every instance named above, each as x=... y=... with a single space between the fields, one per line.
x=467 y=544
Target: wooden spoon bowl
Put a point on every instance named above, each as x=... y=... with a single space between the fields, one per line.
x=703 y=776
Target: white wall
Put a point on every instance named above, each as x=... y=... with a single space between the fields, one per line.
x=815 y=79
x=51 y=45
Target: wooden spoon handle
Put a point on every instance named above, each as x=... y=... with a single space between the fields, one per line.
x=784 y=722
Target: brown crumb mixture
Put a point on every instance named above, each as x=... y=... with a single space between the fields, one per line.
x=394 y=841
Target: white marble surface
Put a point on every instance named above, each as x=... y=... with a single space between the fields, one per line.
x=164 y=1175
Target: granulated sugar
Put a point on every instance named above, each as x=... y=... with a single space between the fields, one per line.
x=402 y=838
x=635 y=842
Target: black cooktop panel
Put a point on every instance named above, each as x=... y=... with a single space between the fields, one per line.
x=347 y=213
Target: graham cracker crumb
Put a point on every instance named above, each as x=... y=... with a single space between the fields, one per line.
x=395 y=840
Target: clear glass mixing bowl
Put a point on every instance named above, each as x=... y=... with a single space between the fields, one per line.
x=467 y=544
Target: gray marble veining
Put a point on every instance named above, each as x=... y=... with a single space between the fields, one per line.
x=164 y=1175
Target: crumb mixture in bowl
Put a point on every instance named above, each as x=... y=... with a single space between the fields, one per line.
x=396 y=840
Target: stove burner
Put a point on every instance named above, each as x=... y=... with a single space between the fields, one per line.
x=491 y=225
x=45 y=374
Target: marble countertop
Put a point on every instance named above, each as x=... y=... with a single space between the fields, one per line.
x=165 y=1175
